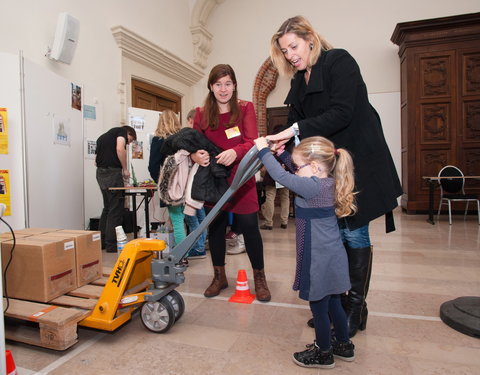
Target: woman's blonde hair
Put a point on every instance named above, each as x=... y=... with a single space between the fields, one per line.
x=168 y=124
x=340 y=166
x=302 y=28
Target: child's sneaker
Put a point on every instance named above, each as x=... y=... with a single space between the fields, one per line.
x=344 y=350
x=314 y=357
x=196 y=254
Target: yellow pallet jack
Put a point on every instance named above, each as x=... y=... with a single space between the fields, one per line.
x=145 y=276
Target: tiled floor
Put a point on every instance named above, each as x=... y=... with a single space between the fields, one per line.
x=415 y=270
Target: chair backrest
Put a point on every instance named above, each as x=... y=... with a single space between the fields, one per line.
x=454 y=185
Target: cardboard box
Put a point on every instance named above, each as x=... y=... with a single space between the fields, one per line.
x=42 y=268
x=88 y=253
x=34 y=231
x=8 y=236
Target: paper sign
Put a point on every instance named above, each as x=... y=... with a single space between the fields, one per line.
x=3 y=131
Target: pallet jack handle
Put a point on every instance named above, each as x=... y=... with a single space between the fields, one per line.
x=248 y=167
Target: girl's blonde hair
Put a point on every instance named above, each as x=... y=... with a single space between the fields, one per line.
x=168 y=124
x=340 y=166
x=302 y=28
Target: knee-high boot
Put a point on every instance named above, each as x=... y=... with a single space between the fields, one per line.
x=360 y=270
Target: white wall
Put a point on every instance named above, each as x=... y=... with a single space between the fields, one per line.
x=13 y=162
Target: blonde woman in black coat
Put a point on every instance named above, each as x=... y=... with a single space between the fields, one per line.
x=328 y=98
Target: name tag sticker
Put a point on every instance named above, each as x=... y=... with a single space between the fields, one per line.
x=232 y=132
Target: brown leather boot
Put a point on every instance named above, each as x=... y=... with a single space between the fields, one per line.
x=261 y=287
x=219 y=282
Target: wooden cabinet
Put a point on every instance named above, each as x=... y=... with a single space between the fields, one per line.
x=440 y=101
x=277 y=117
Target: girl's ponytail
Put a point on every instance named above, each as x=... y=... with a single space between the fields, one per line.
x=345 y=184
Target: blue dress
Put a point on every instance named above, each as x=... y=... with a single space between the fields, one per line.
x=322 y=263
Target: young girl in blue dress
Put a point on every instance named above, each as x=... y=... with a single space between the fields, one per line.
x=323 y=181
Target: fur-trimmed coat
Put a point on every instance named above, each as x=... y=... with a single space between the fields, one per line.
x=209 y=183
x=173 y=178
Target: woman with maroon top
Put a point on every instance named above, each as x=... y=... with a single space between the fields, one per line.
x=231 y=125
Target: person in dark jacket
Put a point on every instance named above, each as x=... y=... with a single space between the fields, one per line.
x=328 y=98
x=112 y=171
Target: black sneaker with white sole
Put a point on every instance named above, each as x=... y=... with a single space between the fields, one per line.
x=344 y=350
x=314 y=357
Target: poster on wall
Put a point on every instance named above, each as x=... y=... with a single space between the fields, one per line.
x=3 y=131
x=91 y=148
x=137 y=122
x=61 y=132
x=89 y=112
x=5 y=190
x=76 y=97
x=137 y=149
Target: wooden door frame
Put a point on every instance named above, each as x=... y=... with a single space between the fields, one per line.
x=138 y=85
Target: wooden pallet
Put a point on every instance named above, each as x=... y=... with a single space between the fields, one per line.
x=51 y=325
x=44 y=325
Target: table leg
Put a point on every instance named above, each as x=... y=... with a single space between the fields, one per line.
x=431 y=187
x=134 y=204
x=147 y=218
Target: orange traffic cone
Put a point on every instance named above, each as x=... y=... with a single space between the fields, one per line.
x=242 y=291
x=11 y=369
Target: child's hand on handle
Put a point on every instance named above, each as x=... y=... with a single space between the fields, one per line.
x=261 y=143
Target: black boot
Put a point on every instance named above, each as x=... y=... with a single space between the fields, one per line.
x=360 y=270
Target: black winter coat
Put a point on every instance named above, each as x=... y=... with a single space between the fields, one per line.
x=156 y=158
x=335 y=105
x=209 y=183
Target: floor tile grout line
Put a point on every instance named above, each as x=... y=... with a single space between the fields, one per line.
x=303 y=307
x=405 y=316
x=54 y=365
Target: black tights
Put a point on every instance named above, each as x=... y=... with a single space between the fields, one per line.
x=329 y=307
x=248 y=224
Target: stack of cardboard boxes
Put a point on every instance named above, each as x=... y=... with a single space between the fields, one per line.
x=47 y=263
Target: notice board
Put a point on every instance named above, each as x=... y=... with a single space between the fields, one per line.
x=54 y=149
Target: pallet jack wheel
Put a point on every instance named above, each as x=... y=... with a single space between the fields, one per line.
x=177 y=302
x=158 y=316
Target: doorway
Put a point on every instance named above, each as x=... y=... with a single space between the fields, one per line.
x=154 y=98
